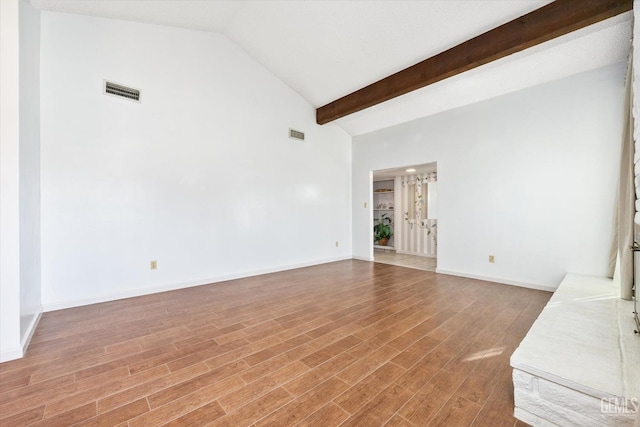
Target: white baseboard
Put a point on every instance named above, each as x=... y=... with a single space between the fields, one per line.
x=362 y=258
x=500 y=280
x=18 y=352
x=60 y=305
x=11 y=354
x=31 y=329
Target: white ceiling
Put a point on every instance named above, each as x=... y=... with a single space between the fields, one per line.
x=327 y=49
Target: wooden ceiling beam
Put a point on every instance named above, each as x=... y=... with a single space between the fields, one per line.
x=548 y=22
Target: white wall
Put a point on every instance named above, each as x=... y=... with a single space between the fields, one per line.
x=199 y=176
x=30 y=303
x=9 y=182
x=529 y=177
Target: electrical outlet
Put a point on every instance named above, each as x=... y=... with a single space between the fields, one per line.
x=336 y=243
x=154 y=265
x=365 y=205
x=492 y=259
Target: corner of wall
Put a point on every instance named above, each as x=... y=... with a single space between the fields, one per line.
x=9 y=184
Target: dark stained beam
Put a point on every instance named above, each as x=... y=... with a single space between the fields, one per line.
x=541 y=25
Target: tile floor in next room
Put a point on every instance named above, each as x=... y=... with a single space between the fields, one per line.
x=350 y=343
x=405 y=260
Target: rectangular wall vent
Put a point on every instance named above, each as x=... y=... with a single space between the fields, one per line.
x=296 y=134
x=121 y=91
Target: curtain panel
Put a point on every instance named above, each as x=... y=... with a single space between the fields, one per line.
x=627 y=216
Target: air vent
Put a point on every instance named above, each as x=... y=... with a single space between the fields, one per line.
x=296 y=134
x=121 y=91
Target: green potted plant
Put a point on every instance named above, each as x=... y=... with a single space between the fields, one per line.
x=382 y=230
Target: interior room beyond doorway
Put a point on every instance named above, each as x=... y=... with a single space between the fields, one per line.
x=405 y=220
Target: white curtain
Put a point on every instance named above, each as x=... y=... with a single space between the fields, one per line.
x=626 y=199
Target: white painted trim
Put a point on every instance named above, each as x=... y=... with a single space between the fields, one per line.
x=60 y=305
x=498 y=280
x=19 y=352
x=362 y=258
x=398 y=251
x=11 y=354
x=26 y=340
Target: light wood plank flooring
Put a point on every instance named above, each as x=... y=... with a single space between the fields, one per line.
x=350 y=343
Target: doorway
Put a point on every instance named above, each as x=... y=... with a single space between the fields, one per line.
x=405 y=218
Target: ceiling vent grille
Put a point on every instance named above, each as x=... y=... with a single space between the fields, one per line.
x=121 y=91
x=296 y=134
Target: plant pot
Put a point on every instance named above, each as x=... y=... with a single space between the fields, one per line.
x=383 y=241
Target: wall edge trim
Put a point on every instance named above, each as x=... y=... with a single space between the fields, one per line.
x=362 y=258
x=500 y=280
x=26 y=340
x=61 y=305
x=11 y=354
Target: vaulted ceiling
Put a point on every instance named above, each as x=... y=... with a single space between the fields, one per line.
x=328 y=49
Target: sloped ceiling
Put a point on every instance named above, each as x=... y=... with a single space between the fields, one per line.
x=327 y=49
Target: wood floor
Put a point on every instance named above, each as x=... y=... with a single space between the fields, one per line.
x=351 y=343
